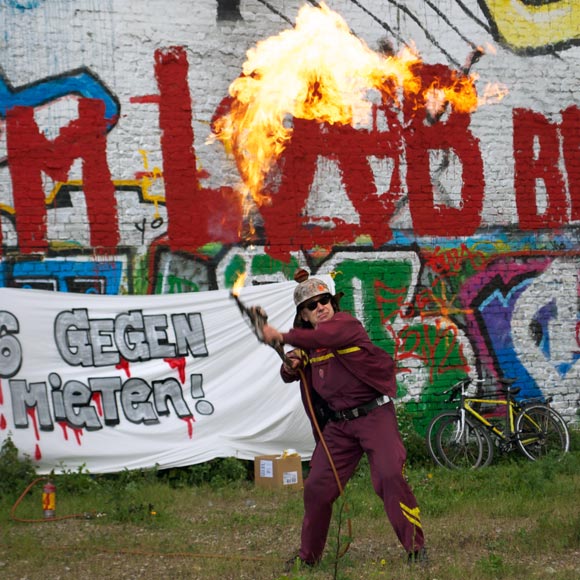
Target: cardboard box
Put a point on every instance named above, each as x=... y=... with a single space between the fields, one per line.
x=278 y=471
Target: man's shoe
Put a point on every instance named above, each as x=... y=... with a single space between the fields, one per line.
x=297 y=563
x=418 y=557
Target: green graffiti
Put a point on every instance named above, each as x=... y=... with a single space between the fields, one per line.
x=234 y=269
x=385 y=291
x=262 y=264
x=175 y=285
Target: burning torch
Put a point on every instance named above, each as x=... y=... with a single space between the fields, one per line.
x=257 y=318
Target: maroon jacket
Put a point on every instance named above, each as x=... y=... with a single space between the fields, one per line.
x=344 y=368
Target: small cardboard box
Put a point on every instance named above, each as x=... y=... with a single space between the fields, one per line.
x=278 y=471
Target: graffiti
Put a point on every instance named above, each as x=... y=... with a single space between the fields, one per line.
x=73 y=403
x=220 y=217
x=81 y=83
x=530 y=165
x=130 y=337
x=494 y=315
x=533 y=26
x=228 y=10
x=73 y=273
x=23 y=4
x=356 y=153
x=522 y=323
x=85 y=138
x=89 y=342
x=405 y=212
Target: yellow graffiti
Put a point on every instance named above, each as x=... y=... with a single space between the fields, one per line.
x=116 y=182
x=147 y=182
x=148 y=178
x=527 y=26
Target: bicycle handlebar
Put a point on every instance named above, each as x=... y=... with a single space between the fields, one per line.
x=452 y=391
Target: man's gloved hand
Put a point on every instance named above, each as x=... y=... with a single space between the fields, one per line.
x=271 y=335
x=293 y=360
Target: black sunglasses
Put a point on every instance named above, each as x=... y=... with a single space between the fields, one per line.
x=312 y=304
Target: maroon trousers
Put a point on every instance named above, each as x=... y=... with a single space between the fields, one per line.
x=378 y=436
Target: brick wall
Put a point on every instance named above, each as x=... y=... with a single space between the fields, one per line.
x=453 y=235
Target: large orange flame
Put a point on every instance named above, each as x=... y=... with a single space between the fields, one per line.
x=320 y=71
x=317 y=70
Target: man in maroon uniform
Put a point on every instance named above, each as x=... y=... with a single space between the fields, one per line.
x=350 y=383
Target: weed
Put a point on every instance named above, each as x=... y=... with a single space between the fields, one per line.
x=491 y=565
x=513 y=520
x=417 y=453
x=15 y=472
x=79 y=481
x=217 y=472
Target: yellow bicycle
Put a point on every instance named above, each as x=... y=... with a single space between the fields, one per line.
x=467 y=436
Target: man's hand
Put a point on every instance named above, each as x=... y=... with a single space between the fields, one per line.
x=271 y=335
x=293 y=360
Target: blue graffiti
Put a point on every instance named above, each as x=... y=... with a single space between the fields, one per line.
x=84 y=277
x=496 y=312
x=22 y=5
x=81 y=82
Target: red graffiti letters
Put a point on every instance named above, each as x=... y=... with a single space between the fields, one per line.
x=30 y=153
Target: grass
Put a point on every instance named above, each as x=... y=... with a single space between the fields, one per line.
x=513 y=520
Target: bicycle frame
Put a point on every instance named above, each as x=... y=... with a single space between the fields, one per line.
x=506 y=435
x=509 y=418
x=466 y=406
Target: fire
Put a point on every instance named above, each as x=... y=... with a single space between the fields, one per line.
x=239 y=283
x=493 y=93
x=319 y=71
x=461 y=95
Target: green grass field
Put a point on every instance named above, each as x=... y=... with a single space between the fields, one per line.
x=513 y=520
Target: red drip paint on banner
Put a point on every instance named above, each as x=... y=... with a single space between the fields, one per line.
x=37 y=453
x=78 y=434
x=32 y=414
x=64 y=428
x=98 y=403
x=190 y=421
x=179 y=364
x=124 y=365
x=2 y=422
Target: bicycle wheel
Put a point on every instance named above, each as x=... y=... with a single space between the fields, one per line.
x=432 y=431
x=541 y=431
x=463 y=444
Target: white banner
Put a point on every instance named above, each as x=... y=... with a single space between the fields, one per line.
x=126 y=382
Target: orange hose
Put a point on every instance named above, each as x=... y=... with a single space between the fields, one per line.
x=43 y=520
x=328 y=455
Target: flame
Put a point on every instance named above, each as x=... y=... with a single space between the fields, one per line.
x=317 y=70
x=493 y=93
x=320 y=71
x=461 y=95
x=239 y=283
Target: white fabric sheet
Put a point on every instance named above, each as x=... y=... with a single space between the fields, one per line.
x=109 y=383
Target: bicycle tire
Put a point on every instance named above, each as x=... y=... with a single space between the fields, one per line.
x=463 y=445
x=541 y=431
x=430 y=437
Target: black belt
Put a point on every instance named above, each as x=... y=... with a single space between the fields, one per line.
x=363 y=410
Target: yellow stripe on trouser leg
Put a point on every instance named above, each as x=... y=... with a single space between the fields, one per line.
x=412 y=514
